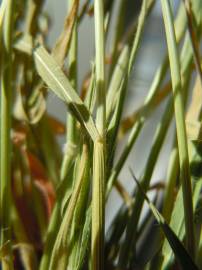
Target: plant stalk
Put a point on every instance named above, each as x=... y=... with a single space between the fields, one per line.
x=6 y=105
x=180 y=124
x=99 y=159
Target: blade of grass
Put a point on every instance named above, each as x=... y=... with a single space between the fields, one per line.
x=193 y=34
x=129 y=243
x=172 y=173
x=137 y=128
x=119 y=22
x=122 y=90
x=180 y=124
x=187 y=60
x=158 y=78
x=68 y=37
x=183 y=256
x=60 y=251
x=173 y=168
x=52 y=74
x=83 y=11
x=71 y=148
x=136 y=42
x=85 y=239
x=177 y=216
x=177 y=224
x=117 y=77
x=90 y=96
x=5 y=141
x=78 y=223
x=180 y=24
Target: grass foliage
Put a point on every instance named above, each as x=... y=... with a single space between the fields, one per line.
x=52 y=200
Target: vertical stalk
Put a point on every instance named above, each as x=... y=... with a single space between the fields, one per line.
x=98 y=194
x=71 y=122
x=118 y=31
x=99 y=59
x=73 y=75
x=5 y=165
x=193 y=36
x=180 y=124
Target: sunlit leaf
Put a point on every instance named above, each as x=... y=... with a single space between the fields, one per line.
x=53 y=76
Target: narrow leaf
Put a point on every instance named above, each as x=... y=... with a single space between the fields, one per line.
x=53 y=76
x=180 y=252
x=62 y=45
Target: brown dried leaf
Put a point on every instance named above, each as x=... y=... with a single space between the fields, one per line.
x=62 y=45
x=37 y=169
x=41 y=181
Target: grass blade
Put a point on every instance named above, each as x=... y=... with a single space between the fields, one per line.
x=53 y=76
x=180 y=252
x=180 y=124
x=60 y=251
x=71 y=150
x=64 y=41
x=131 y=230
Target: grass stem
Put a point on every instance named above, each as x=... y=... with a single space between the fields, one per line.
x=6 y=105
x=98 y=189
x=180 y=124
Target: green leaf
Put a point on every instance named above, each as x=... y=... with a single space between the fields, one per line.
x=179 y=250
x=54 y=77
x=180 y=123
x=177 y=222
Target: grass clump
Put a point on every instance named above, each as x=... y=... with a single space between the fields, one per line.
x=52 y=202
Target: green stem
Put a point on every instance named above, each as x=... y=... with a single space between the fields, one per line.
x=71 y=121
x=137 y=127
x=100 y=69
x=118 y=32
x=180 y=124
x=6 y=103
x=98 y=189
